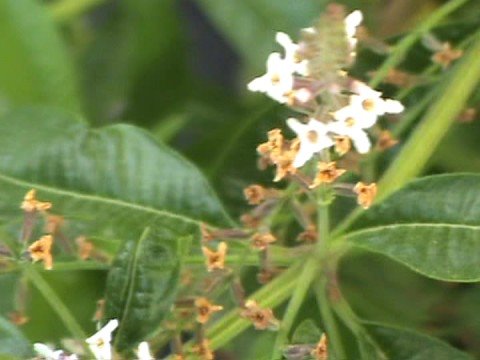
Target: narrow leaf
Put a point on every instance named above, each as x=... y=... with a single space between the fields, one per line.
x=141 y=285
x=432 y=226
x=116 y=167
x=401 y=344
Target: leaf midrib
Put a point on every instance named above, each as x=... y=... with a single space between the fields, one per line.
x=409 y=225
x=95 y=198
x=131 y=274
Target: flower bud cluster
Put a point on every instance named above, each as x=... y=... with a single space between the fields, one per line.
x=310 y=78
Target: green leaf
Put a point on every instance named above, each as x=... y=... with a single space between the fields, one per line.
x=142 y=284
x=109 y=183
x=34 y=67
x=13 y=343
x=432 y=226
x=250 y=25
x=306 y=333
x=96 y=173
x=401 y=344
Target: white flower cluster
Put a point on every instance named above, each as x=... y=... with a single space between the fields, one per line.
x=351 y=121
x=99 y=344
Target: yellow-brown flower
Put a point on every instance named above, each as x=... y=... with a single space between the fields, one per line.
x=18 y=318
x=250 y=221
x=309 y=236
x=273 y=147
x=365 y=194
x=41 y=250
x=386 y=140
x=446 y=55
x=53 y=223
x=320 y=352
x=262 y=240
x=215 y=259
x=85 y=247
x=99 y=310
x=284 y=160
x=255 y=194
x=327 y=173
x=343 y=144
x=205 y=309
x=31 y=204
x=262 y=319
x=203 y=351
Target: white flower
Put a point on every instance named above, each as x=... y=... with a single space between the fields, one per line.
x=313 y=139
x=278 y=80
x=47 y=353
x=143 y=352
x=370 y=104
x=99 y=343
x=291 y=54
x=352 y=21
x=349 y=122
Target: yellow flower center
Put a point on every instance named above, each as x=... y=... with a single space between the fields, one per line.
x=350 y=122
x=275 y=79
x=368 y=104
x=312 y=136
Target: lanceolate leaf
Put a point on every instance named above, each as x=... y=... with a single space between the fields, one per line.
x=98 y=173
x=431 y=225
x=110 y=183
x=401 y=344
x=34 y=66
x=142 y=284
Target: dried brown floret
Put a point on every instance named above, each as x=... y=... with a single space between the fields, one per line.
x=365 y=194
x=41 y=250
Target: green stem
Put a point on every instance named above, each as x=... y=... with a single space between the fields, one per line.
x=331 y=326
x=305 y=279
x=435 y=124
x=350 y=319
x=310 y=270
x=270 y=295
x=278 y=256
x=401 y=48
x=55 y=302
x=66 y=10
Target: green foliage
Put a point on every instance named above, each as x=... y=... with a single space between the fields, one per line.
x=141 y=203
x=437 y=236
x=142 y=283
x=406 y=344
x=13 y=344
x=306 y=333
x=35 y=66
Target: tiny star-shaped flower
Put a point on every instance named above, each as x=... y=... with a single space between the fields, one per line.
x=100 y=342
x=313 y=139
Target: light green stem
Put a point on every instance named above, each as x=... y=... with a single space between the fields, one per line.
x=66 y=10
x=402 y=47
x=329 y=321
x=310 y=270
x=55 y=302
x=304 y=280
x=270 y=295
x=421 y=145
